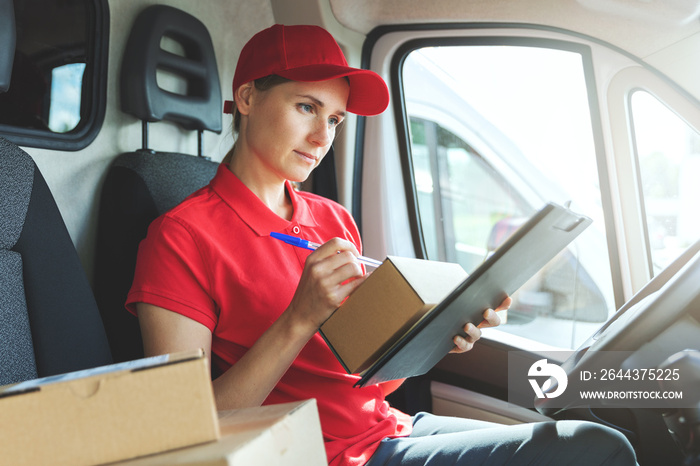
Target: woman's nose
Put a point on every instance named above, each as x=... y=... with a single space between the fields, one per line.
x=322 y=133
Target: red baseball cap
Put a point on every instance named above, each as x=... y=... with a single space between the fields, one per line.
x=308 y=53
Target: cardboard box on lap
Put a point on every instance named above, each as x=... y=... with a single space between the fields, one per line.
x=393 y=298
x=109 y=413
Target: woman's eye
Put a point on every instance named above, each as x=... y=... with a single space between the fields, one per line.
x=333 y=122
x=306 y=108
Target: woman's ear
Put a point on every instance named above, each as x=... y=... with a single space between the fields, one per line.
x=242 y=97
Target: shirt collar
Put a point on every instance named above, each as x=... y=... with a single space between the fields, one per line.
x=252 y=210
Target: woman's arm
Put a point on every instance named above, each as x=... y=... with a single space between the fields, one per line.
x=252 y=378
x=330 y=275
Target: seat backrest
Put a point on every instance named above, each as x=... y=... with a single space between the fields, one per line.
x=143 y=184
x=47 y=310
x=16 y=349
x=49 y=321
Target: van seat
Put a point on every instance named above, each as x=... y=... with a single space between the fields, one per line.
x=143 y=184
x=49 y=322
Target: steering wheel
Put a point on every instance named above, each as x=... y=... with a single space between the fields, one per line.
x=657 y=313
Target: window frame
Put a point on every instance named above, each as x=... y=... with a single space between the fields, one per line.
x=622 y=86
x=638 y=178
x=95 y=100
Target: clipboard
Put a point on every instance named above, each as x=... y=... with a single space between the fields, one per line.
x=513 y=263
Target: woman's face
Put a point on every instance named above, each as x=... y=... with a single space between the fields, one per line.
x=287 y=130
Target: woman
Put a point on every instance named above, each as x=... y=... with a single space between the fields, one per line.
x=210 y=276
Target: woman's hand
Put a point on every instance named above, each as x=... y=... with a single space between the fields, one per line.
x=330 y=274
x=491 y=319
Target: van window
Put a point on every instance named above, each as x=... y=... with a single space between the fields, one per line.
x=495 y=132
x=668 y=156
x=56 y=97
x=458 y=214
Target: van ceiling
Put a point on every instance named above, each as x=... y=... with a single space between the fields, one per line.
x=662 y=24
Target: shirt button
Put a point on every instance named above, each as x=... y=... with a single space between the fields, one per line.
x=296 y=229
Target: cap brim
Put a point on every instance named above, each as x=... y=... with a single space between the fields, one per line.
x=369 y=94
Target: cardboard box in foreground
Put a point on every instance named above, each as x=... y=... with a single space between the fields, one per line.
x=286 y=434
x=393 y=298
x=109 y=413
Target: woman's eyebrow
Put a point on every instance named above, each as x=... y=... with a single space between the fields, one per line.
x=320 y=103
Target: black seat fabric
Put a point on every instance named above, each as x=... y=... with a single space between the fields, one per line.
x=16 y=349
x=49 y=321
x=143 y=184
x=139 y=187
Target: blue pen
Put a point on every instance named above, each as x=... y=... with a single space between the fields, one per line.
x=306 y=244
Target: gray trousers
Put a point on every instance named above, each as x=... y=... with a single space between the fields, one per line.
x=440 y=440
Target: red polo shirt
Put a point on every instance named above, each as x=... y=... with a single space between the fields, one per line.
x=211 y=259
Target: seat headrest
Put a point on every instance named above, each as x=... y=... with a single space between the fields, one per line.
x=7 y=42
x=200 y=107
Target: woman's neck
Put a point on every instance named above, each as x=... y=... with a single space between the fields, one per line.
x=271 y=191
